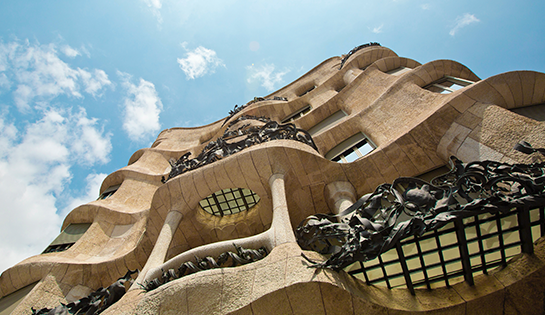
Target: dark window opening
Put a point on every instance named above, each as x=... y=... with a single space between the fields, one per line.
x=109 y=192
x=68 y=237
x=298 y=114
x=307 y=91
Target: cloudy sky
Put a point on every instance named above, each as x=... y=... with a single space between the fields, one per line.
x=84 y=84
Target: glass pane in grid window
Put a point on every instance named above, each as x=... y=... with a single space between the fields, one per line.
x=250 y=200
x=452 y=85
x=351 y=156
x=365 y=149
x=229 y=201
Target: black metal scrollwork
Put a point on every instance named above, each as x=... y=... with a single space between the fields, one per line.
x=241 y=257
x=410 y=206
x=94 y=303
x=350 y=53
x=227 y=144
x=237 y=108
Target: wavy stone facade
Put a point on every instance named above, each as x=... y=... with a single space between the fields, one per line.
x=403 y=112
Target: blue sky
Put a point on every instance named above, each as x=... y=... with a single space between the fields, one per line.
x=84 y=84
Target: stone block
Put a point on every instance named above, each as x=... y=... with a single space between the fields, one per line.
x=306 y=298
x=273 y=302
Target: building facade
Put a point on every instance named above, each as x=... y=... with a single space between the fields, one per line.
x=242 y=186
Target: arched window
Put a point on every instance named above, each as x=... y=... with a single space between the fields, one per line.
x=297 y=114
x=447 y=85
x=535 y=112
x=327 y=123
x=398 y=71
x=68 y=237
x=351 y=149
x=109 y=192
x=229 y=201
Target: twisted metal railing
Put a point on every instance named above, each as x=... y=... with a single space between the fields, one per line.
x=242 y=256
x=233 y=141
x=411 y=207
x=354 y=50
x=95 y=303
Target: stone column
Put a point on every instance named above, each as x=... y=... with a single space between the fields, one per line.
x=159 y=252
x=282 y=231
x=340 y=196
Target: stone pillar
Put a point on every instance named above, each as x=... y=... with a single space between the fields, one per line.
x=159 y=252
x=340 y=196
x=281 y=224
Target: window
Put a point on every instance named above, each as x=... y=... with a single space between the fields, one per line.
x=535 y=112
x=399 y=71
x=298 y=114
x=68 y=237
x=9 y=302
x=109 y=192
x=351 y=149
x=229 y=201
x=308 y=90
x=327 y=123
x=447 y=85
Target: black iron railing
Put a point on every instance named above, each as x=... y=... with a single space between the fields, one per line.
x=456 y=252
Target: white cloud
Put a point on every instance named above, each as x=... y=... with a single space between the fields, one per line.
x=199 y=62
x=378 y=29
x=35 y=164
x=425 y=6
x=69 y=51
x=265 y=75
x=38 y=74
x=155 y=7
x=94 y=83
x=463 y=21
x=90 y=144
x=4 y=81
x=142 y=107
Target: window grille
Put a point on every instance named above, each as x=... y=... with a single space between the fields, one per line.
x=456 y=252
x=229 y=201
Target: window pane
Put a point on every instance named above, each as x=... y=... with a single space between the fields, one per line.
x=351 y=157
x=365 y=149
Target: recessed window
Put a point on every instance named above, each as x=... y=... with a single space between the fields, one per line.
x=68 y=237
x=351 y=149
x=340 y=87
x=229 y=201
x=308 y=90
x=447 y=85
x=398 y=71
x=297 y=114
x=535 y=112
x=9 y=302
x=109 y=192
x=327 y=123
